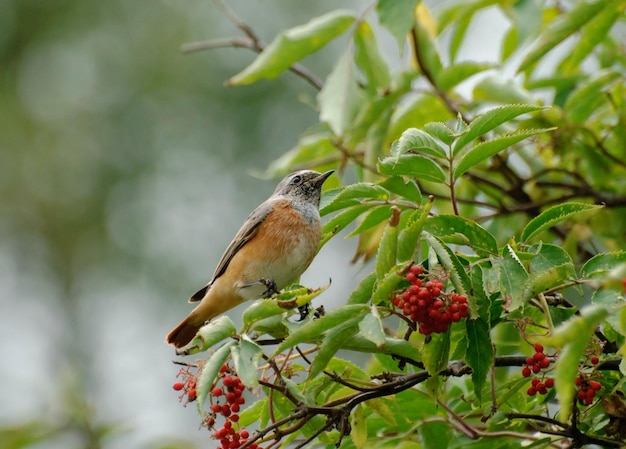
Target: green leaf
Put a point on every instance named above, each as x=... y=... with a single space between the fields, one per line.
x=602 y=264
x=441 y=131
x=436 y=352
x=559 y=30
x=613 y=301
x=352 y=194
x=363 y=293
x=490 y=120
x=371 y=327
x=417 y=141
x=340 y=98
x=455 y=74
x=255 y=413
x=332 y=341
x=553 y=216
x=592 y=34
x=279 y=304
x=211 y=333
x=451 y=263
x=427 y=51
x=312 y=147
x=435 y=434
x=572 y=337
x=500 y=90
x=373 y=217
x=392 y=346
x=312 y=330
x=292 y=45
x=340 y=221
x=410 y=234
x=368 y=58
x=585 y=100
x=387 y=284
x=479 y=353
x=413 y=165
x=247 y=357
x=210 y=371
x=397 y=17
x=407 y=189
x=512 y=277
x=387 y=247
x=461 y=231
x=551 y=266
x=358 y=426
x=485 y=150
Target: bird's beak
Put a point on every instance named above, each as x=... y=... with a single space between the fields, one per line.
x=323 y=177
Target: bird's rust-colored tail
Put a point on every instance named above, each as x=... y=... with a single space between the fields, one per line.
x=182 y=334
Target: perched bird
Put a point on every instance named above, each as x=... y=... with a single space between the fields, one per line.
x=276 y=243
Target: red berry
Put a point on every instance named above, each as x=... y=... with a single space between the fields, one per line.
x=578 y=381
x=544 y=363
x=549 y=382
x=178 y=386
x=595 y=360
x=535 y=382
x=530 y=361
x=526 y=371
x=416 y=270
x=536 y=369
x=531 y=391
x=216 y=408
x=191 y=394
x=538 y=347
x=539 y=356
x=410 y=277
x=234 y=418
x=191 y=383
x=234 y=408
x=244 y=433
x=595 y=385
x=225 y=409
x=217 y=391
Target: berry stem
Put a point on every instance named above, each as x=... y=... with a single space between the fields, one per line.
x=546 y=311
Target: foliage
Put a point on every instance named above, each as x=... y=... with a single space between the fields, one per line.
x=509 y=196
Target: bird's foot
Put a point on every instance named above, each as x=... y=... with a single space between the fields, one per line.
x=270 y=287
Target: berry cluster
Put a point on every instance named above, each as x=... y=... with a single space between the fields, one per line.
x=187 y=385
x=586 y=389
x=539 y=361
x=226 y=400
x=425 y=302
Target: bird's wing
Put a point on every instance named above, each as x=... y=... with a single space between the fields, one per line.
x=245 y=234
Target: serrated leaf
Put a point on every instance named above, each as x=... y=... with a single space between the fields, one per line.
x=441 y=131
x=292 y=45
x=551 y=266
x=387 y=248
x=485 y=150
x=257 y=412
x=371 y=327
x=512 y=277
x=211 y=333
x=583 y=101
x=410 y=234
x=332 y=341
x=592 y=34
x=358 y=426
x=247 y=357
x=553 y=216
x=601 y=264
x=455 y=74
x=363 y=292
x=413 y=165
x=407 y=189
x=397 y=17
x=210 y=371
x=479 y=353
x=500 y=90
x=435 y=353
x=312 y=147
x=572 y=337
x=417 y=141
x=451 y=263
x=312 y=330
x=458 y=230
x=340 y=98
x=387 y=284
x=352 y=194
x=562 y=28
x=279 y=304
x=368 y=58
x=490 y=120
x=375 y=216
x=613 y=301
x=340 y=221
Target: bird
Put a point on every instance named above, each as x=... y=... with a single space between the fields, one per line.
x=274 y=246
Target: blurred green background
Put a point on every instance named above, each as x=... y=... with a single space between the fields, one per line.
x=125 y=170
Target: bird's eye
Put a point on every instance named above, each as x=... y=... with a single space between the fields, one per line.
x=296 y=179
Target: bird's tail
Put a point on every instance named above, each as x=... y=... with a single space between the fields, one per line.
x=182 y=334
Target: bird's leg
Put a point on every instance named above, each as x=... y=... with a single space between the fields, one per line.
x=270 y=287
